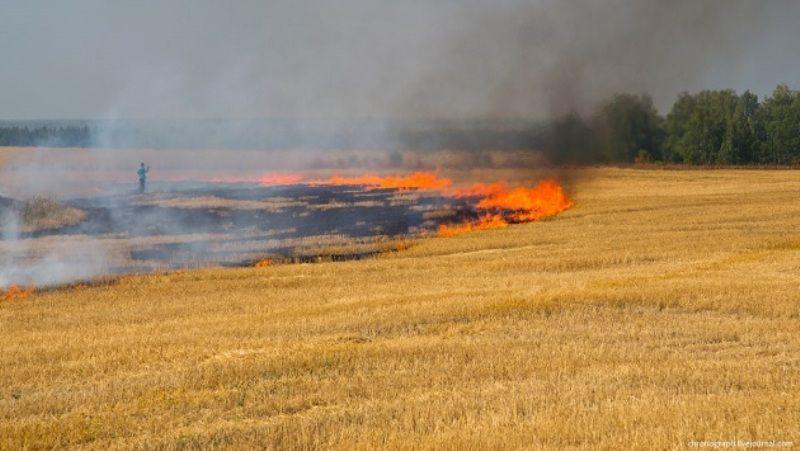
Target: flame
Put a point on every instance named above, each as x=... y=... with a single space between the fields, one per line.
x=519 y=204
x=280 y=178
x=545 y=199
x=501 y=205
x=267 y=179
x=481 y=189
x=416 y=180
x=497 y=204
x=14 y=292
x=401 y=246
x=264 y=263
x=485 y=222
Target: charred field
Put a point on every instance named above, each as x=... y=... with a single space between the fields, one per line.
x=193 y=221
x=192 y=225
x=399 y=225
x=621 y=322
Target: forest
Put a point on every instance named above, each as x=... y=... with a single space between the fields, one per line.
x=45 y=136
x=709 y=128
x=712 y=127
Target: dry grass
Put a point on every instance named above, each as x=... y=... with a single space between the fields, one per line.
x=663 y=308
x=86 y=172
x=37 y=213
x=274 y=204
x=42 y=213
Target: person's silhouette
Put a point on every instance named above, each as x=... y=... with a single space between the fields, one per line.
x=142 y=172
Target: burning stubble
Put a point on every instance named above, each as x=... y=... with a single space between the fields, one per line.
x=415 y=62
x=276 y=216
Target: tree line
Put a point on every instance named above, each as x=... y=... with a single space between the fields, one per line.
x=68 y=136
x=712 y=127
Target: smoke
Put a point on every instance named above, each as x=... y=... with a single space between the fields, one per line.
x=369 y=74
x=418 y=60
x=366 y=73
x=53 y=262
x=354 y=74
x=545 y=59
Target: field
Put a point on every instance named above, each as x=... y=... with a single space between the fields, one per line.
x=663 y=308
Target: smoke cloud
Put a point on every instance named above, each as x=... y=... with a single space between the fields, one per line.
x=341 y=75
x=186 y=59
x=47 y=262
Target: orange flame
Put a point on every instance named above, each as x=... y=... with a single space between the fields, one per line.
x=545 y=199
x=481 y=189
x=499 y=204
x=264 y=263
x=280 y=178
x=519 y=204
x=416 y=180
x=485 y=222
x=267 y=179
x=14 y=292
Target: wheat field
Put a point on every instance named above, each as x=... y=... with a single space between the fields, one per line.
x=664 y=308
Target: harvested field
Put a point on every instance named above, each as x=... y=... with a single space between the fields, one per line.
x=663 y=308
x=238 y=220
x=234 y=225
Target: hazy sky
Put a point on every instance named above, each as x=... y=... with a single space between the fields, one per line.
x=380 y=58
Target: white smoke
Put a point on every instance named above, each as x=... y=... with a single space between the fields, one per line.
x=55 y=261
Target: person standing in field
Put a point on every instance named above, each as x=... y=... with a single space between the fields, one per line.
x=142 y=177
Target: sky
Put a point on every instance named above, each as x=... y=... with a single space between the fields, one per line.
x=184 y=59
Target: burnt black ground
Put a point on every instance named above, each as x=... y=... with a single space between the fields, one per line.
x=6 y=202
x=242 y=235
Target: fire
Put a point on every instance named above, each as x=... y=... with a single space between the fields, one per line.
x=545 y=199
x=416 y=180
x=264 y=263
x=481 y=189
x=280 y=178
x=14 y=292
x=267 y=179
x=485 y=222
x=505 y=205
x=497 y=204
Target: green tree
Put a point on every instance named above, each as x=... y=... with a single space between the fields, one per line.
x=676 y=126
x=697 y=126
x=627 y=127
x=740 y=144
x=780 y=118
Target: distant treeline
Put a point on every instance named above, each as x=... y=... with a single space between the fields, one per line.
x=707 y=128
x=46 y=136
x=298 y=134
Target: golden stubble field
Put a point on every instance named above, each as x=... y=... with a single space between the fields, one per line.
x=663 y=308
